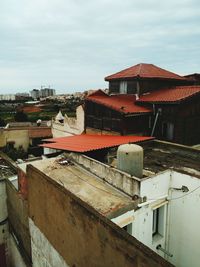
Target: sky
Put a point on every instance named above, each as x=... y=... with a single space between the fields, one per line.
x=72 y=45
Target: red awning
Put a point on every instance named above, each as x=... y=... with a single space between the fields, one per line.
x=85 y=142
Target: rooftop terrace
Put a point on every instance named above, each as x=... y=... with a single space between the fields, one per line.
x=100 y=195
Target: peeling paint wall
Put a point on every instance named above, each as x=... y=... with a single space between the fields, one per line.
x=14 y=257
x=18 y=218
x=3 y=222
x=80 y=235
x=43 y=253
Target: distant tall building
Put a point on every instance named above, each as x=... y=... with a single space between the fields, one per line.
x=35 y=93
x=45 y=92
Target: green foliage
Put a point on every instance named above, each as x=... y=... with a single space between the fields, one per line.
x=20 y=116
x=14 y=153
x=2 y=122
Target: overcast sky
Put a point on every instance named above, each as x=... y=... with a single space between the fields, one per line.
x=72 y=45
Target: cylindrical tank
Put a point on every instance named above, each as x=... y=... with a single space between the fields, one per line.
x=130 y=159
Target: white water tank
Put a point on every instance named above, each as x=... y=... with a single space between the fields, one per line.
x=130 y=159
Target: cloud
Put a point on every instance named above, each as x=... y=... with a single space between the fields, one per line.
x=73 y=44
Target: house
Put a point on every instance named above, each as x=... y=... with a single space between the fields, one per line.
x=24 y=135
x=143 y=78
x=146 y=100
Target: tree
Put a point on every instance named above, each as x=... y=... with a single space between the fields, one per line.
x=20 y=116
x=2 y=122
x=14 y=153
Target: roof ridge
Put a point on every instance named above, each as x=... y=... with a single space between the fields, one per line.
x=139 y=70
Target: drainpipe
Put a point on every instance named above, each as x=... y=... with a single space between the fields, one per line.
x=168 y=213
x=155 y=121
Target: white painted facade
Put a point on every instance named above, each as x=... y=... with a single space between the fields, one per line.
x=176 y=229
x=43 y=253
x=69 y=126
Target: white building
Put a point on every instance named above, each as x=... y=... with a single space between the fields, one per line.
x=7 y=97
x=66 y=126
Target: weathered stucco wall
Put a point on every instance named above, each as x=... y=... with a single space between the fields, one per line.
x=15 y=258
x=80 y=234
x=43 y=253
x=19 y=137
x=18 y=219
x=70 y=126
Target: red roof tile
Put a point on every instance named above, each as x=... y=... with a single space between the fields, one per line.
x=121 y=103
x=144 y=70
x=175 y=94
x=85 y=143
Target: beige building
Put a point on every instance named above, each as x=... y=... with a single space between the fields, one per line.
x=23 y=135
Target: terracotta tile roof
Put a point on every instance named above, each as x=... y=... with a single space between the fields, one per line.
x=122 y=103
x=85 y=142
x=144 y=70
x=175 y=94
x=40 y=132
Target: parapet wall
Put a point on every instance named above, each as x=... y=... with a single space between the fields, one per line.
x=119 y=179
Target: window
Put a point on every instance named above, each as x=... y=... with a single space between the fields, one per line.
x=168 y=130
x=123 y=88
x=158 y=222
x=131 y=87
x=113 y=87
x=128 y=228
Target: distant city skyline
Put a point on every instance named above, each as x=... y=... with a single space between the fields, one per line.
x=72 y=44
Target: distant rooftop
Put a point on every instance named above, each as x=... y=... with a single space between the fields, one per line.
x=144 y=70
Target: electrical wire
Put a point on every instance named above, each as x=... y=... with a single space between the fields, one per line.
x=185 y=194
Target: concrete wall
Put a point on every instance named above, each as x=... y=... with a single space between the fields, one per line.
x=14 y=256
x=3 y=222
x=181 y=217
x=3 y=206
x=80 y=235
x=184 y=221
x=43 y=253
x=18 y=219
x=119 y=179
